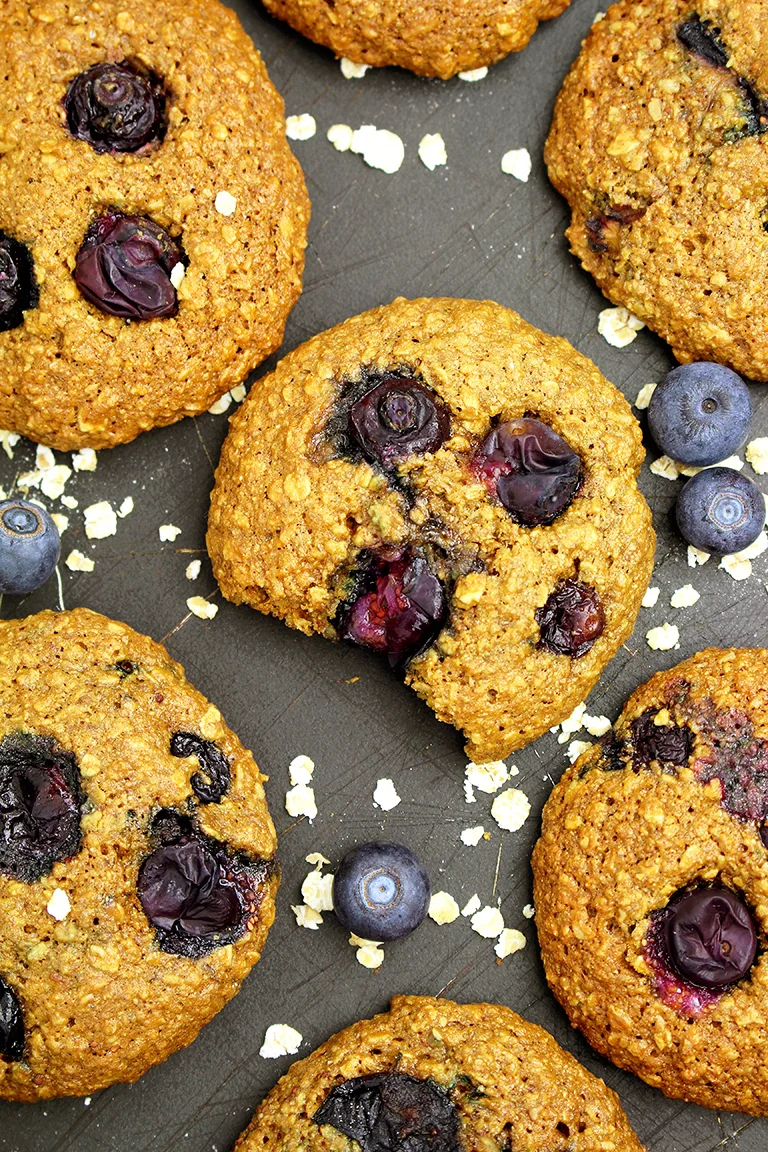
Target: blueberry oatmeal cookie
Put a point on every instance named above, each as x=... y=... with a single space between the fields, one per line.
x=137 y=873
x=440 y=482
x=651 y=883
x=658 y=143
x=152 y=217
x=430 y=37
x=434 y=1076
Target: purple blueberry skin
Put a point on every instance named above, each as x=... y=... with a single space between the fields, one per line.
x=711 y=937
x=396 y=418
x=381 y=891
x=18 y=286
x=669 y=744
x=720 y=511
x=531 y=469
x=213 y=762
x=392 y=1112
x=700 y=413
x=116 y=107
x=124 y=266
x=29 y=547
x=184 y=891
x=11 y=1024
x=571 y=620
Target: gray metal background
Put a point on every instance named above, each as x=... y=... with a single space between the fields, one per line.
x=464 y=230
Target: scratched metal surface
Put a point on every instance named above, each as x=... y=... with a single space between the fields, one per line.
x=465 y=230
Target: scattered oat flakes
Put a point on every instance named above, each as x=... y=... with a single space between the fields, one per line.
x=168 y=532
x=100 y=520
x=301 y=770
x=76 y=562
x=351 y=70
x=572 y=723
x=84 y=461
x=663 y=637
x=474 y=74
x=69 y=502
x=488 y=922
x=510 y=941
x=469 y=792
x=738 y=565
x=192 y=570
x=53 y=481
x=644 y=396
x=685 y=597
x=177 y=274
x=379 y=147
x=220 y=406
x=202 y=608
x=510 y=809
x=306 y=917
x=472 y=836
x=598 y=17
x=61 y=522
x=280 y=1040
x=59 y=906
x=302 y=127
x=517 y=163
x=575 y=749
x=300 y=801
x=225 y=203
x=443 y=909
x=618 y=326
x=696 y=557
x=317 y=859
x=369 y=952
x=529 y=911
x=734 y=462
x=471 y=906
x=666 y=467
x=597 y=725
x=385 y=795
x=756 y=453
x=238 y=393
x=44 y=458
x=340 y=135
x=317 y=891
x=432 y=151
x=650 y=597
x=126 y=507
x=488 y=777
x=9 y=440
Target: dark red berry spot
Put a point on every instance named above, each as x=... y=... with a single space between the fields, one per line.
x=398 y=606
x=18 y=287
x=116 y=107
x=212 y=761
x=125 y=668
x=531 y=469
x=669 y=744
x=124 y=266
x=11 y=1024
x=571 y=620
x=40 y=803
x=396 y=418
x=392 y=1112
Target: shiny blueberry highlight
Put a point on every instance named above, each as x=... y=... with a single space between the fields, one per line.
x=124 y=267
x=531 y=469
x=18 y=286
x=571 y=620
x=720 y=511
x=396 y=418
x=700 y=413
x=29 y=546
x=381 y=891
x=11 y=1024
x=116 y=107
x=711 y=937
x=392 y=1112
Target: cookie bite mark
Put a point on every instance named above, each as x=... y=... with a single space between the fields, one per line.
x=532 y=471
x=116 y=107
x=41 y=800
x=572 y=619
x=18 y=285
x=212 y=761
x=124 y=267
x=390 y=1111
x=12 y=1037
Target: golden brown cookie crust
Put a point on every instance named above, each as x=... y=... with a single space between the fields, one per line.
x=72 y=376
x=288 y=519
x=430 y=37
x=101 y=1002
x=528 y=1091
x=615 y=846
x=665 y=177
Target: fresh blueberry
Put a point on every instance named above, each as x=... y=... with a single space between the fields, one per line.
x=40 y=805
x=116 y=107
x=380 y=891
x=213 y=762
x=571 y=620
x=392 y=1112
x=398 y=417
x=29 y=546
x=124 y=267
x=398 y=606
x=711 y=937
x=11 y=1024
x=669 y=744
x=700 y=413
x=719 y=510
x=531 y=469
x=18 y=286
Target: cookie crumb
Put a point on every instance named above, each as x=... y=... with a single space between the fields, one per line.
x=301 y=127
x=471 y=906
x=100 y=520
x=511 y=809
x=352 y=71
x=685 y=597
x=443 y=909
x=280 y=1040
x=168 y=532
x=472 y=836
x=385 y=795
x=192 y=570
x=202 y=608
x=76 y=562
x=517 y=163
x=644 y=396
x=509 y=942
x=432 y=151
x=650 y=598
x=756 y=453
x=474 y=74
x=488 y=922
x=618 y=326
x=59 y=905
x=85 y=460
x=225 y=203
x=663 y=638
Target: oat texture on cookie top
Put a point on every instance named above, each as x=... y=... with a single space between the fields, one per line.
x=659 y=145
x=152 y=217
x=137 y=870
x=439 y=482
x=651 y=883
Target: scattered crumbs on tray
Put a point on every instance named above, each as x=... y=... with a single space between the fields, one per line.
x=280 y=1040
x=618 y=326
x=663 y=637
x=202 y=608
x=301 y=127
x=443 y=909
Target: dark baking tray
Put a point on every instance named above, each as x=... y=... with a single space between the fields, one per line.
x=463 y=230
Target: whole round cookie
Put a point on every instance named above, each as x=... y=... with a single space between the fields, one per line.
x=439 y=481
x=430 y=37
x=651 y=883
x=434 y=1076
x=658 y=145
x=137 y=872
x=152 y=217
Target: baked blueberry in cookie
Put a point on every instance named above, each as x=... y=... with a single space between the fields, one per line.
x=650 y=879
x=137 y=871
x=18 y=285
x=659 y=144
x=433 y=1076
x=124 y=267
x=395 y=484
x=116 y=107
